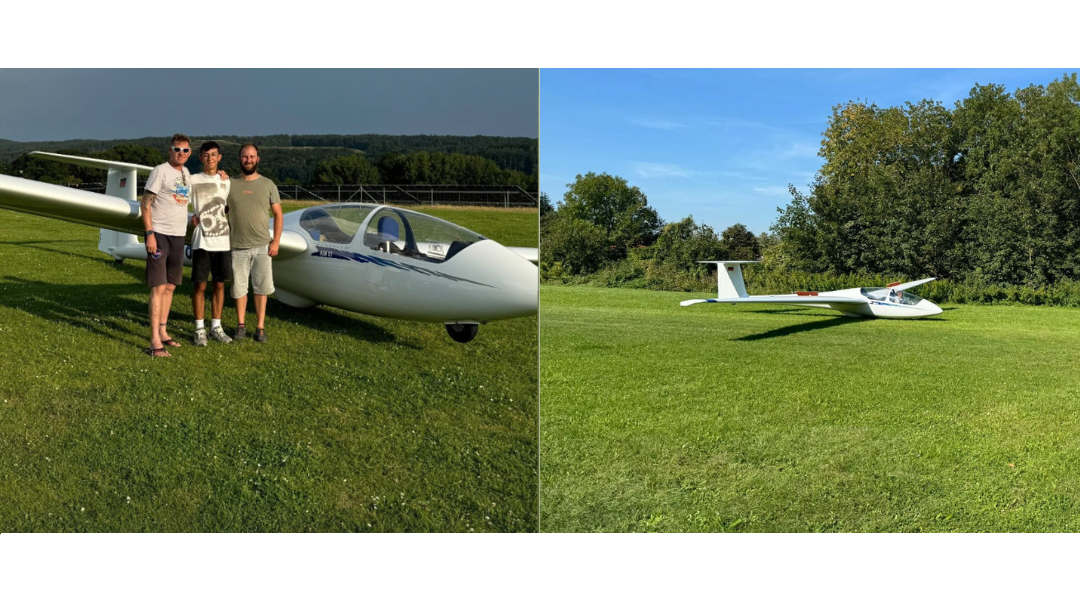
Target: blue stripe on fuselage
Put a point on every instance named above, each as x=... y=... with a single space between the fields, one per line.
x=338 y=254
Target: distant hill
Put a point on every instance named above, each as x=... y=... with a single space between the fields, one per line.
x=288 y=156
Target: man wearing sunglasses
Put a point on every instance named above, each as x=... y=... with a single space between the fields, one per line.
x=165 y=214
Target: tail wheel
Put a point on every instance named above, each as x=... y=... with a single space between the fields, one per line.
x=462 y=333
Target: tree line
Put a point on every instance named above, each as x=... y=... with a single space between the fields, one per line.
x=987 y=192
x=285 y=166
x=294 y=158
x=604 y=231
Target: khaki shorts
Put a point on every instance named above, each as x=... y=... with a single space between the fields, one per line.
x=254 y=262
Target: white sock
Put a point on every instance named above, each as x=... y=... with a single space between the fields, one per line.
x=199 y=324
x=215 y=323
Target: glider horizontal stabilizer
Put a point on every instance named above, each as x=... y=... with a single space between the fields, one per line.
x=91 y=162
x=529 y=253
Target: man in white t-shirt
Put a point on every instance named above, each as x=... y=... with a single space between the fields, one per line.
x=164 y=211
x=210 y=243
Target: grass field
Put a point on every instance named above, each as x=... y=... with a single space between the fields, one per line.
x=771 y=418
x=342 y=422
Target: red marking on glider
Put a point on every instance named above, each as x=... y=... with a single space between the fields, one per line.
x=806 y=293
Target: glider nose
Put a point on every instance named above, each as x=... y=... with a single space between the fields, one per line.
x=528 y=295
x=524 y=289
x=512 y=281
x=930 y=307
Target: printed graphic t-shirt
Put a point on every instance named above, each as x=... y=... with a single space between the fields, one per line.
x=172 y=188
x=209 y=195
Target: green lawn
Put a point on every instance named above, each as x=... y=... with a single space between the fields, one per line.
x=341 y=422
x=773 y=418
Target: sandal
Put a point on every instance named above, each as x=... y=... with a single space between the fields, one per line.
x=168 y=342
x=158 y=353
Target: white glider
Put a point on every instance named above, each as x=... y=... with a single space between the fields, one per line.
x=890 y=302
x=372 y=259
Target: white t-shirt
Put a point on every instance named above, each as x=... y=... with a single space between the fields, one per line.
x=210 y=195
x=172 y=188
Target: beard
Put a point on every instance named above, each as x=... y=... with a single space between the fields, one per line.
x=249 y=171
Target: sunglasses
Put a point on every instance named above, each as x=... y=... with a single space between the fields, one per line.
x=182 y=149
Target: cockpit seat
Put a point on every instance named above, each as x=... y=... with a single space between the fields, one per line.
x=388 y=234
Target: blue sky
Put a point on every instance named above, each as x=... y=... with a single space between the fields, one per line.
x=721 y=145
x=61 y=104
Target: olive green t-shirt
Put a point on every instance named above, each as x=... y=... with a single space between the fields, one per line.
x=249 y=212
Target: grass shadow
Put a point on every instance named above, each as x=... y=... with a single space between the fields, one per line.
x=133 y=271
x=803 y=327
x=95 y=307
x=102 y=309
x=322 y=319
x=35 y=243
x=803 y=311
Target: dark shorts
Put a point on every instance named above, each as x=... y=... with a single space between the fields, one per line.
x=169 y=268
x=204 y=262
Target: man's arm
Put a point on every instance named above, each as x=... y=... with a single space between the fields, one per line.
x=195 y=205
x=278 y=223
x=148 y=223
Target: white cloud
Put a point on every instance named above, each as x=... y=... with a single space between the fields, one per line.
x=653 y=170
x=772 y=190
x=657 y=124
x=803 y=149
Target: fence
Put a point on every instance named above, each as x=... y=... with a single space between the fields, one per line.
x=470 y=195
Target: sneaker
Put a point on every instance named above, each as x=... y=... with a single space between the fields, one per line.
x=200 y=337
x=260 y=335
x=219 y=335
x=240 y=333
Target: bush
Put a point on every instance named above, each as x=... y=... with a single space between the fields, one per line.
x=577 y=245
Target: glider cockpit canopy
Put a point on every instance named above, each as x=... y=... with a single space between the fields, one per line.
x=390 y=230
x=888 y=294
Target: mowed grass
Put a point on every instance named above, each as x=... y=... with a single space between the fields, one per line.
x=755 y=418
x=342 y=422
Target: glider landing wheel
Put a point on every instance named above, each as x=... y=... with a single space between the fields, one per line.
x=462 y=333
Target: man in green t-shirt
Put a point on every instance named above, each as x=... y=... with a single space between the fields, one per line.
x=252 y=198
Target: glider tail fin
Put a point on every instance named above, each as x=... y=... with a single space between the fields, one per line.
x=122 y=182
x=729 y=279
x=117 y=244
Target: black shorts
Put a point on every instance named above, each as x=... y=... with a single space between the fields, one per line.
x=169 y=267
x=204 y=262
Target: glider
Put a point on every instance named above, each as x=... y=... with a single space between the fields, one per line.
x=890 y=302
